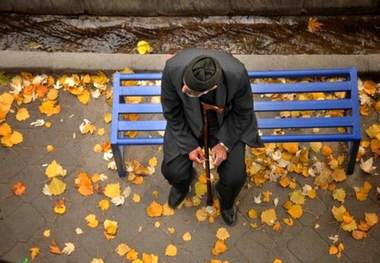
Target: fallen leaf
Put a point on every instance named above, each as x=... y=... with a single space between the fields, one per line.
x=56 y=186
x=367 y=166
x=112 y=190
x=338 y=212
x=186 y=236
x=104 y=204
x=46 y=233
x=339 y=175
x=222 y=234
x=110 y=229
x=252 y=213
x=219 y=248
x=53 y=248
x=6 y=100
x=122 y=249
x=143 y=47
x=22 y=114
x=107 y=117
x=371 y=219
x=68 y=249
x=154 y=209
x=84 y=97
x=269 y=216
x=55 y=169
x=19 y=189
x=132 y=254
x=60 y=207
x=97 y=260
x=295 y=211
x=171 y=250
x=92 y=221
x=339 y=194
x=34 y=252
x=49 y=108
x=313 y=25
x=84 y=184
x=297 y=197
x=49 y=148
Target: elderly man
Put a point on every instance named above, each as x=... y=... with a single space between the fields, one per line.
x=215 y=77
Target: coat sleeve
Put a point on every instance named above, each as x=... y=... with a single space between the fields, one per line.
x=240 y=116
x=174 y=114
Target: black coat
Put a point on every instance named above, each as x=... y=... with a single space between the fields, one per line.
x=183 y=113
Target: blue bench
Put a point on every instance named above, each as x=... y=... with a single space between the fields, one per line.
x=349 y=104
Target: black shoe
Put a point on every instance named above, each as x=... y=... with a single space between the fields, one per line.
x=229 y=216
x=176 y=197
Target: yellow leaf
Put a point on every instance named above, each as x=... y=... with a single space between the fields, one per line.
x=107 y=117
x=200 y=189
x=132 y=254
x=339 y=194
x=46 y=233
x=369 y=87
x=222 y=234
x=146 y=258
x=326 y=150
x=167 y=210
x=49 y=148
x=290 y=147
x=97 y=260
x=186 y=236
x=154 y=209
x=338 y=212
x=171 y=250
x=22 y=114
x=112 y=190
x=84 y=97
x=5 y=129
x=252 y=213
x=56 y=186
x=122 y=249
x=52 y=94
x=55 y=169
x=288 y=220
x=219 y=248
x=373 y=131
x=339 y=175
x=153 y=161
x=362 y=192
x=348 y=224
x=6 y=100
x=269 y=216
x=295 y=211
x=110 y=228
x=101 y=131
x=34 y=252
x=371 y=219
x=104 y=204
x=60 y=207
x=136 y=198
x=297 y=197
x=143 y=47
x=316 y=146
x=266 y=196
x=49 y=108
x=201 y=214
x=276 y=260
x=92 y=221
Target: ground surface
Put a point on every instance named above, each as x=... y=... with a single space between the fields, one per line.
x=23 y=219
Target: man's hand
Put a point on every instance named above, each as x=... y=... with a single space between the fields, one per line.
x=197 y=155
x=219 y=154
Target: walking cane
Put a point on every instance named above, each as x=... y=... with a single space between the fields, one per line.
x=219 y=109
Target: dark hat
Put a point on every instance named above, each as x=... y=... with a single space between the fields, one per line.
x=202 y=73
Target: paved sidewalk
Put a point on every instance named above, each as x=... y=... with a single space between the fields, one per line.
x=23 y=219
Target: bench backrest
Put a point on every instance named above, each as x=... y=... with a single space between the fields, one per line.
x=347 y=83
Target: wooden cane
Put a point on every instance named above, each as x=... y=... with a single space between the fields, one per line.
x=219 y=109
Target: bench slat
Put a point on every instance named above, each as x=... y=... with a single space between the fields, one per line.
x=331 y=72
x=267 y=106
x=140 y=91
x=264 y=138
x=159 y=125
x=259 y=106
x=277 y=88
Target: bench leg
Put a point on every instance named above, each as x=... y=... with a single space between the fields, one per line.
x=353 y=151
x=119 y=160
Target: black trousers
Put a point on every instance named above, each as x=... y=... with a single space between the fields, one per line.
x=179 y=173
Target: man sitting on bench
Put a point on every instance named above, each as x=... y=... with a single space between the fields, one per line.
x=215 y=77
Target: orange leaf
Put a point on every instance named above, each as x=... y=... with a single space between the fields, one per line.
x=84 y=184
x=53 y=248
x=19 y=188
x=154 y=209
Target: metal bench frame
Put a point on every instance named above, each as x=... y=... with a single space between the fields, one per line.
x=349 y=103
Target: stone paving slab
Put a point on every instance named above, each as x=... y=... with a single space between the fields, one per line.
x=23 y=219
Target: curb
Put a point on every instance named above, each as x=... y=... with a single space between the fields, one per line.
x=58 y=61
